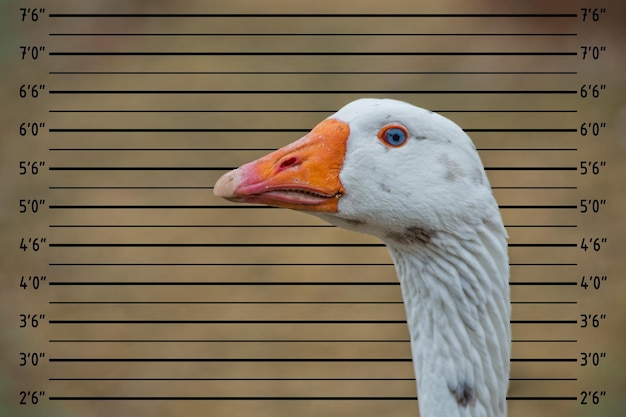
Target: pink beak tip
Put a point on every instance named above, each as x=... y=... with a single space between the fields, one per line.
x=226 y=186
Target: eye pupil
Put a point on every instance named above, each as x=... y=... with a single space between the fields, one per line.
x=395 y=136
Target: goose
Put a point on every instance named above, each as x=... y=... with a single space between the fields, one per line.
x=414 y=179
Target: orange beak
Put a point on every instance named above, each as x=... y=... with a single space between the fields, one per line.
x=303 y=175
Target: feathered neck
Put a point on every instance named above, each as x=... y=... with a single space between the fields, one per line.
x=456 y=295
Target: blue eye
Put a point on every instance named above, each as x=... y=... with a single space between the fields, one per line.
x=393 y=135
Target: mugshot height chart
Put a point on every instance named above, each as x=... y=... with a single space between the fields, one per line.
x=134 y=290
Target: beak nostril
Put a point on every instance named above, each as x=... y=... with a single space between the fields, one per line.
x=289 y=162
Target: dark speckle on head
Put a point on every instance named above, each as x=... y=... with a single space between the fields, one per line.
x=385 y=188
x=454 y=171
x=412 y=235
x=477 y=177
x=354 y=222
x=463 y=394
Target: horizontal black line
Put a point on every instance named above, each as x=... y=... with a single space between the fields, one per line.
x=203 y=207
x=544 y=168
x=104 y=187
x=166 y=149
x=219 y=168
x=545 y=341
x=272 y=149
x=325 y=34
x=271 y=341
x=505 y=206
x=544 y=321
x=280 y=130
x=234 y=302
x=221 y=264
x=316 y=15
x=264 y=283
x=259 y=226
x=227 y=321
x=206 y=283
x=250 y=207
x=276 y=321
x=540 y=225
x=360 y=92
x=312 y=73
x=227 y=341
x=307 y=264
x=272 y=245
x=185 y=111
x=526 y=149
x=535 y=188
x=252 y=226
x=216 y=245
x=270 y=302
x=566 y=283
x=137 y=168
x=243 y=379
x=294 y=111
x=543 y=245
x=311 y=53
x=239 y=398
x=130 y=188
x=542 y=398
x=279 y=379
x=180 y=130
x=346 y=360
x=544 y=302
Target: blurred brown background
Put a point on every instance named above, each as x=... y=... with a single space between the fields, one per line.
x=609 y=185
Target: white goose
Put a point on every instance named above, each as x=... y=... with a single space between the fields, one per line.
x=414 y=179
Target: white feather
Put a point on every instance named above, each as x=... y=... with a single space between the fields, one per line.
x=431 y=203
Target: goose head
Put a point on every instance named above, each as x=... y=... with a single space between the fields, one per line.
x=383 y=167
x=412 y=178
